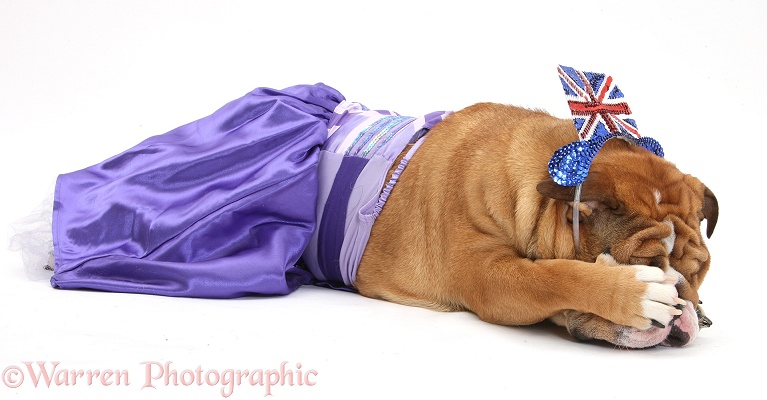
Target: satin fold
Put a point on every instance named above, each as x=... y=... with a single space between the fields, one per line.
x=221 y=207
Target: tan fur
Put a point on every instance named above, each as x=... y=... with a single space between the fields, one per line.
x=473 y=225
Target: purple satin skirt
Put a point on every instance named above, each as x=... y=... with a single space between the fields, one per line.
x=222 y=207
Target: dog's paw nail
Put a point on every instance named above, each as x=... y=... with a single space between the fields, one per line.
x=671 y=279
x=681 y=302
x=657 y=324
x=677 y=311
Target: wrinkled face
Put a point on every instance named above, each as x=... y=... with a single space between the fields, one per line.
x=656 y=227
x=643 y=210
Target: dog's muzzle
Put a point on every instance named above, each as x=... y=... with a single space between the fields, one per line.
x=703 y=320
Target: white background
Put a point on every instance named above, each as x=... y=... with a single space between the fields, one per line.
x=83 y=80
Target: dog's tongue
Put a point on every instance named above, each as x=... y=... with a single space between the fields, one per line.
x=684 y=328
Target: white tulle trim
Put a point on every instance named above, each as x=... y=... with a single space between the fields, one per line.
x=33 y=237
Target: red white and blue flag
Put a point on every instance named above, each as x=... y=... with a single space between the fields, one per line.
x=600 y=113
x=597 y=105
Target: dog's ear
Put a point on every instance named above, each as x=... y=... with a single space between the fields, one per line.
x=710 y=211
x=549 y=188
x=594 y=191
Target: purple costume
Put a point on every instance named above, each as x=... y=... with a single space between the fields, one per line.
x=226 y=206
x=361 y=148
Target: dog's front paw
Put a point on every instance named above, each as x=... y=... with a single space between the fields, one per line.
x=645 y=296
x=661 y=302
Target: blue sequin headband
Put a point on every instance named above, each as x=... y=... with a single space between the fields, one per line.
x=599 y=113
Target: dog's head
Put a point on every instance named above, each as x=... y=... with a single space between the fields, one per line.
x=642 y=210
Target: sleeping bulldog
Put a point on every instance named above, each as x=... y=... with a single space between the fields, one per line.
x=448 y=211
x=476 y=223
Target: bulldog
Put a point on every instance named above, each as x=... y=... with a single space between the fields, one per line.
x=448 y=211
x=475 y=223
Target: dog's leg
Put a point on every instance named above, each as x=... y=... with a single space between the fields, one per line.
x=520 y=291
x=513 y=291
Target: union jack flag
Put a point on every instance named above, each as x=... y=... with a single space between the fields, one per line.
x=597 y=104
x=600 y=114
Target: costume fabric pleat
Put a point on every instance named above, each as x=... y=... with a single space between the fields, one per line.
x=221 y=207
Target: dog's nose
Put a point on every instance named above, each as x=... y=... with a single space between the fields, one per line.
x=703 y=320
x=684 y=328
